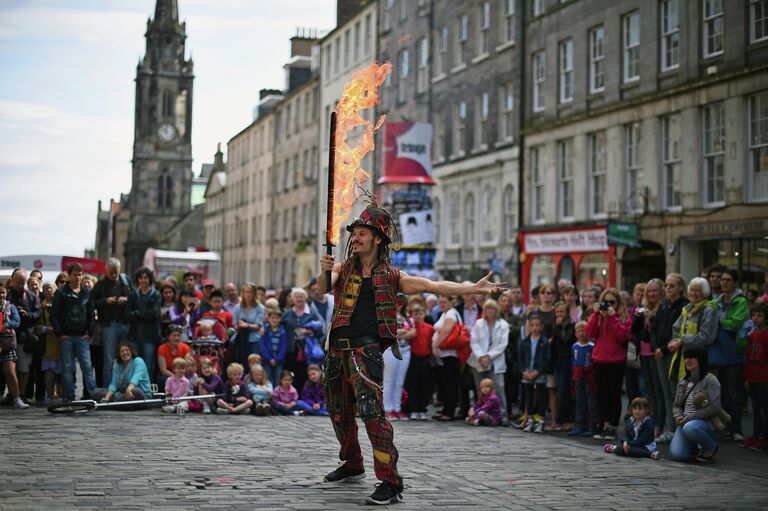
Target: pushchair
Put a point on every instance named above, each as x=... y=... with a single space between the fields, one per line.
x=212 y=350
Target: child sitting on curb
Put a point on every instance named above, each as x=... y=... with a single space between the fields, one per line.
x=487 y=410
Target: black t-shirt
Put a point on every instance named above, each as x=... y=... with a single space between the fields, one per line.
x=363 y=321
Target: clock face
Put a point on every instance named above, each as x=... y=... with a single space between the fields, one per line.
x=166 y=132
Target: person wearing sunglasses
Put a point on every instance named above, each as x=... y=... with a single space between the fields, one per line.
x=610 y=326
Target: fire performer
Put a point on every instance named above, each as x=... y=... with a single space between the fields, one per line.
x=364 y=324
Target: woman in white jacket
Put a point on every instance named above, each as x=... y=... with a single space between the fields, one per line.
x=490 y=336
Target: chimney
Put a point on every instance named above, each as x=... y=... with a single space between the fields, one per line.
x=346 y=9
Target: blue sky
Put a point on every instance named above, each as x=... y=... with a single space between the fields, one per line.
x=67 y=99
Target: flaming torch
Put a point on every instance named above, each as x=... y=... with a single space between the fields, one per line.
x=344 y=171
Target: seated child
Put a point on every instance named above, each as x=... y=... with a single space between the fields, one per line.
x=177 y=386
x=584 y=386
x=487 y=410
x=191 y=375
x=209 y=383
x=285 y=396
x=534 y=357
x=205 y=331
x=639 y=433
x=260 y=388
x=312 y=400
x=237 y=399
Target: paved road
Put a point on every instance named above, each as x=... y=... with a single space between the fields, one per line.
x=150 y=460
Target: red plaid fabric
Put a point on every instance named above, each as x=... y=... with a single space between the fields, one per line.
x=354 y=378
x=386 y=283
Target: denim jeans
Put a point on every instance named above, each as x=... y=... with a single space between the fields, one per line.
x=273 y=372
x=112 y=335
x=307 y=408
x=691 y=434
x=148 y=352
x=394 y=378
x=668 y=390
x=586 y=405
x=76 y=346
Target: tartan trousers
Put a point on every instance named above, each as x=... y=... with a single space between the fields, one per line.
x=355 y=377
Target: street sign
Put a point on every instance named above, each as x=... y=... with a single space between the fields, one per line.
x=623 y=233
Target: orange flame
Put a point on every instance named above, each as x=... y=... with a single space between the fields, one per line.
x=359 y=94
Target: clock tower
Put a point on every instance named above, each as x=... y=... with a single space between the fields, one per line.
x=162 y=145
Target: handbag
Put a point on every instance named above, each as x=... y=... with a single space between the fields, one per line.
x=633 y=360
x=721 y=419
x=722 y=352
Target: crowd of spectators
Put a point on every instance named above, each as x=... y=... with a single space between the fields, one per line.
x=685 y=355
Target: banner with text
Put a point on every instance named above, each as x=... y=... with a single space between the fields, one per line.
x=407 y=153
x=587 y=240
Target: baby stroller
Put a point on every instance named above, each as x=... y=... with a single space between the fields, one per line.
x=212 y=350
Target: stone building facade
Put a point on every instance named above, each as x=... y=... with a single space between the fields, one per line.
x=647 y=113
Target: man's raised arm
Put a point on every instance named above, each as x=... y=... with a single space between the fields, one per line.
x=411 y=285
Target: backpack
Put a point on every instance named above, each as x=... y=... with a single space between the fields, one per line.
x=313 y=353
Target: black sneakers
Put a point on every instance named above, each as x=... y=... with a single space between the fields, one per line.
x=344 y=473
x=385 y=493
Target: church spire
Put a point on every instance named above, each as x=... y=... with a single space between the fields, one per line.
x=166 y=11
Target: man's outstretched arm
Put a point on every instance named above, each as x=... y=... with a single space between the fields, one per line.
x=411 y=285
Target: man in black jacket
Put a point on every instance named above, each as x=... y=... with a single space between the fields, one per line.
x=110 y=295
x=30 y=311
x=73 y=322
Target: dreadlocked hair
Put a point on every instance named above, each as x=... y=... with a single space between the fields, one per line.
x=383 y=254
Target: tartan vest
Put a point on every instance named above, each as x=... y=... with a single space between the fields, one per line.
x=386 y=282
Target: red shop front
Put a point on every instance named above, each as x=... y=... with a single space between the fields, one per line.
x=579 y=254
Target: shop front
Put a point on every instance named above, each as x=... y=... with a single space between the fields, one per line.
x=580 y=255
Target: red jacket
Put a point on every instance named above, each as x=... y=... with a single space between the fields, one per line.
x=610 y=335
x=756 y=358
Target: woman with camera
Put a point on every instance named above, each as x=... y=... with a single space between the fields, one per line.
x=610 y=327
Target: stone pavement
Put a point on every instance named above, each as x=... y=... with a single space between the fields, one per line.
x=150 y=460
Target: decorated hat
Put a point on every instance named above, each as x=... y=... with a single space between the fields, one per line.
x=376 y=219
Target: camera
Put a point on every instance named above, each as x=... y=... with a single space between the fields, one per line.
x=604 y=306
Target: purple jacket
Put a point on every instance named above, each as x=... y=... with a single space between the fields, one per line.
x=313 y=393
x=214 y=385
x=489 y=404
x=283 y=397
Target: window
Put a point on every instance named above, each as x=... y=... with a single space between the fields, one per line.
x=441 y=41
x=481 y=125
x=403 y=10
x=758 y=20
x=670 y=156
x=713 y=28
x=436 y=216
x=287 y=175
x=453 y=217
x=167 y=103
x=598 y=169
x=337 y=55
x=631 y=38
x=286 y=224
x=489 y=214
x=164 y=190
x=462 y=35
x=459 y=124
x=566 y=71
x=367 y=40
x=542 y=270
x=537 y=179
x=347 y=47
x=538 y=7
x=440 y=136
x=483 y=27
x=422 y=75
x=508 y=25
x=314 y=164
x=313 y=218
x=566 y=179
x=356 y=43
x=539 y=78
x=633 y=143
x=402 y=75
x=295 y=176
x=294 y=223
x=297 y=116
x=596 y=60
x=713 y=125
x=508 y=207
x=287 y=122
x=386 y=23
x=670 y=34
x=469 y=219
x=758 y=146
x=506 y=119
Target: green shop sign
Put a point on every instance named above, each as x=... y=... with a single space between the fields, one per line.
x=622 y=233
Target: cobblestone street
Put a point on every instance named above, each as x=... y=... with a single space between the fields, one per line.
x=150 y=460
